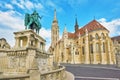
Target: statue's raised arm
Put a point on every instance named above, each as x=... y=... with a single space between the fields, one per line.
x=40 y=17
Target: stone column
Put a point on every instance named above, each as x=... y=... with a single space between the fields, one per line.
x=40 y=46
x=102 y=54
x=65 y=54
x=109 y=52
x=94 y=53
x=43 y=46
x=79 y=49
x=87 y=55
x=28 y=41
x=72 y=54
x=101 y=50
x=17 y=42
x=56 y=51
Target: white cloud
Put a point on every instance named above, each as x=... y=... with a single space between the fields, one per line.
x=54 y=5
x=10 y=20
x=19 y=4
x=9 y=6
x=8 y=35
x=113 y=26
x=46 y=34
x=27 y=4
x=39 y=6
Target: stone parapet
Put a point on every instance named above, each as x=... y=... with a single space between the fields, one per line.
x=57 y=74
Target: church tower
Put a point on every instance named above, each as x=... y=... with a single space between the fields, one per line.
x=76 y=25
x=54 y=30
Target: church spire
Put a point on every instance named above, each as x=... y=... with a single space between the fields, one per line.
x=54 y=30
x=55 y=19
x=76 y=25
x=65 y=30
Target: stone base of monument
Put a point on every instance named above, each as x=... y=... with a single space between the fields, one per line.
x=28 y=60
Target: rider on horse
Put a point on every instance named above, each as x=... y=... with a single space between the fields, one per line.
x=32 y=21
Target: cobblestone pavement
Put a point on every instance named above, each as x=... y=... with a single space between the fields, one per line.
x=94 y=72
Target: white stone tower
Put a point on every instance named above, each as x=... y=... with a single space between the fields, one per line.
x=54 y=31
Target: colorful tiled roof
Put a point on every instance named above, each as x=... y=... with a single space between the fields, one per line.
x=71 y=35
x=91 y=26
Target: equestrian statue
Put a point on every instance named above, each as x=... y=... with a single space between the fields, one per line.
x=32 y=21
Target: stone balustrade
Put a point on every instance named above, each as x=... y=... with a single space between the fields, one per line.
x=14 y=77
x=58 y=74
x=17 y=53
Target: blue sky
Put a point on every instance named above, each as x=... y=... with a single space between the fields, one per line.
x=12 y=12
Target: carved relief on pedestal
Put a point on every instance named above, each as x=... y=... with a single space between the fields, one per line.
x=22 y=61
x=43 y=77
x=16 y=62
x=13 y=62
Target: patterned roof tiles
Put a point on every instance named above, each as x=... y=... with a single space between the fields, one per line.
x=91 y=26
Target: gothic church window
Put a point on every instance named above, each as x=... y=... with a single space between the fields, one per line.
x=3 y=46
x=102 y=36
x=97 y=48
x=91 y=38
x=91 y=48
x=96 y=36
x=77 y=42
x=103 y=47
x=83 y=40
x=106 y=34
x=118 y=42
x=31 y=43
x=76 y=52
x=83 y=50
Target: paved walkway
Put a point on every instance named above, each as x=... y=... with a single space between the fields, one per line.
x=94 y=72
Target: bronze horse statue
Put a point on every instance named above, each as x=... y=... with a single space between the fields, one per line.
x=32 y=21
